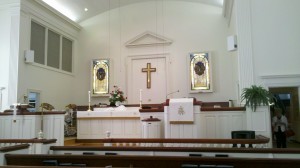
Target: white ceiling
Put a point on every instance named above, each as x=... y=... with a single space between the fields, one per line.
x=74 y=9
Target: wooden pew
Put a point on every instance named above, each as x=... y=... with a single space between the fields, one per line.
x=150 y=161
x=178 y=151
x=259 y=142
x=19 y=148
x=36 y=146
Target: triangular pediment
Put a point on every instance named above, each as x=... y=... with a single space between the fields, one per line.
x=148 y=39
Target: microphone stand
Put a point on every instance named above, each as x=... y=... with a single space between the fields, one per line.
x=171 y=93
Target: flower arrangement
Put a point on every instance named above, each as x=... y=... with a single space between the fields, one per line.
x=71 y=106
x=116 y=95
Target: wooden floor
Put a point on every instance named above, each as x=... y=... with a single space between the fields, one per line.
x=71 y=141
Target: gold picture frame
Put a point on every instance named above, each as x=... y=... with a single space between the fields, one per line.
x=200 y=72
x=100 y=69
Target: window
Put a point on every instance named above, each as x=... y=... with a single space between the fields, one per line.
x=37 y=42
x=59 y=53
x=67 y=55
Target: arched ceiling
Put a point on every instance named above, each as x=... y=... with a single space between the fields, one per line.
x=75 y=9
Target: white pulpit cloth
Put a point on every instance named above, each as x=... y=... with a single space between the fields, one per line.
x=181 y=110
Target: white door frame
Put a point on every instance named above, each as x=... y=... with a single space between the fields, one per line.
x=130 y=58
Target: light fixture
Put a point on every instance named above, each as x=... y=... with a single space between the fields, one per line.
x=86 y=9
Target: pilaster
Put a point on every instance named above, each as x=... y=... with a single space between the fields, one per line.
x=14 y=55
x=245 y=54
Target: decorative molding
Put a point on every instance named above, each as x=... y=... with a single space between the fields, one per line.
x=280 y=76
x=148 y=39
x=281 y=80
x=51 y=21
x=54 y=11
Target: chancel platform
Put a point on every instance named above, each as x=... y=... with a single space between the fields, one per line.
x=212 y=120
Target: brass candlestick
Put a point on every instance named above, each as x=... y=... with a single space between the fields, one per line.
x=89 y=107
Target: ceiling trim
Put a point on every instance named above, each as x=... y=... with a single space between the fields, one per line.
x=54 y=11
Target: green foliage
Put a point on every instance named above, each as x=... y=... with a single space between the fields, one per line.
x=256 y=96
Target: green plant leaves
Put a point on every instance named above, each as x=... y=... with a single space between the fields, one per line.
x=256 y=96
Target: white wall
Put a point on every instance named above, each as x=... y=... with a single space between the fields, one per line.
x=275 y=36
x=234 y=70
x=56 y=87
x=192 y=26
x=8 y=41
x=4 y=48
x=270 y=34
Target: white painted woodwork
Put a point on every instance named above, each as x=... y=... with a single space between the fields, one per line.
x=182 y=130
x=159 y=115
x=28 y=126
x=148 y=39
x=244 y=38
x=260 y=121
x=289 y=80
x=138 y=80
x=151 y=129
x=207 y=124
x=120 y=124
x=220 y=124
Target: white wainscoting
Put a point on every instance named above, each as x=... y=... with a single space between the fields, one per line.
x=96 y=128
x=219 y=124
x=159 y=115
x=28 y=126
x=182 y=130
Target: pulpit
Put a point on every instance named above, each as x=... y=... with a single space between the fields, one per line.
x=181 y=118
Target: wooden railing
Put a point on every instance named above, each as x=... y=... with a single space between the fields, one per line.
x=8 y=142
x=36 y=146
x=259 y=142
x=13 y=148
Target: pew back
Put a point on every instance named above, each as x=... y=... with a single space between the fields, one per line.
x=150 y=161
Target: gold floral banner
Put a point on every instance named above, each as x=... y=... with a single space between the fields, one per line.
x=100 y=77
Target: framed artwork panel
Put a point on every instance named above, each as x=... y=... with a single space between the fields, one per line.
x=200 y=72
x=100 y=77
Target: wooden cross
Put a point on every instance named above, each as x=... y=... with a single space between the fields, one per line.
x=148 y=70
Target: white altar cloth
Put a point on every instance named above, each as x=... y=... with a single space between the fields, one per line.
x=181 y=109
x=120 y=111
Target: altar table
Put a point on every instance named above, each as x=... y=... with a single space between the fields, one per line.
x=117 y=122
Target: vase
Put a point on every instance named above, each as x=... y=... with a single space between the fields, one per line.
x=118 y=103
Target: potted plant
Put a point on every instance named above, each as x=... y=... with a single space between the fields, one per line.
x=256 y=96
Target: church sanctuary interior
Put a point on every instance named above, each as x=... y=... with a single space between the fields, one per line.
x=150 y=83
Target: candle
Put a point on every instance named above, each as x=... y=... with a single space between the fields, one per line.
x=141 y=95
x=140 y=98
x=15 y=112
x=89 y=96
